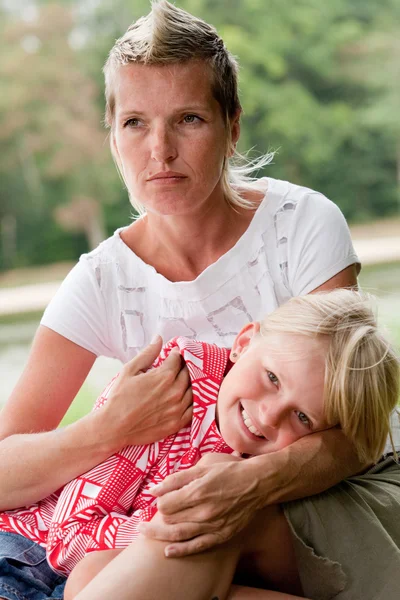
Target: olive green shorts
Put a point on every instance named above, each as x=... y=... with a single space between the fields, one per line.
x=347 y=540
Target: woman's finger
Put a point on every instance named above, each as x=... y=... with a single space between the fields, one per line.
x=145 y=358
x=159 y=530
x=172 y=364
x=175 y=482
x=183 y=377
x=194 y=546
x=187 y=404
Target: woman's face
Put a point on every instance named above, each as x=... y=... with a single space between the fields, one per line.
x=169 y=136
x=273 y=395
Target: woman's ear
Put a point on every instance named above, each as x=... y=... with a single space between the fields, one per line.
x=116 y=157
x=114 y=149
x=235 y=131
x=243 y=340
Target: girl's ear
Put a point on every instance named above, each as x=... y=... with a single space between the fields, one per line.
x=243 y=340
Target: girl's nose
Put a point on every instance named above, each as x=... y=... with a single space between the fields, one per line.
x=270 y=413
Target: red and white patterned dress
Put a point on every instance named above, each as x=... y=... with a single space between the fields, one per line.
x=101 y=509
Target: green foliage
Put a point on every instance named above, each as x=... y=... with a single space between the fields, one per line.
x=319 y=82
x=82 y=404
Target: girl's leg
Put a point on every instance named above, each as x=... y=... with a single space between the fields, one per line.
x=86 y=570
x=268 y=558
x=142 y=572
x=239 y=592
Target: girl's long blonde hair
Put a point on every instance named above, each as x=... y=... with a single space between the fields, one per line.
x=362 y=370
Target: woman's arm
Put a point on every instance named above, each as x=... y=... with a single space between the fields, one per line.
x=206 y=505
x=48 y=458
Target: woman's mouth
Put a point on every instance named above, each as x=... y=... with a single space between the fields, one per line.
x=249 y=424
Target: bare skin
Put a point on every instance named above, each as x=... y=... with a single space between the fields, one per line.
x=141 y=571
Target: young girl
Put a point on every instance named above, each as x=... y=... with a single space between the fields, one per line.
x=318 y=361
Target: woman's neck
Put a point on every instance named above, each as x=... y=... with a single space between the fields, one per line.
x=182 y=247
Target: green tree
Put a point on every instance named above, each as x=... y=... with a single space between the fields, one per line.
x=51 y=130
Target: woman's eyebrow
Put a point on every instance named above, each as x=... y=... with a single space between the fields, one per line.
x=181 y=109
x=130 y=112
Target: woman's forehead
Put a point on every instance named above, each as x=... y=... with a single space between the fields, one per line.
x=191 y=78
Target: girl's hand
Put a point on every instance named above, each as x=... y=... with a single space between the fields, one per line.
x=204 y=505
x=144 y=407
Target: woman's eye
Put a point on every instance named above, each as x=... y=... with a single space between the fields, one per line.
x=132 y=123
x=190 y=119
x=304 y=420
x=273 y=378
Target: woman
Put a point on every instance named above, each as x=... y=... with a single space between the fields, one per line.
x=211 y=252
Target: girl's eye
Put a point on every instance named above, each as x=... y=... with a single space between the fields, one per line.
x=190 y=119
x=273 y=378
x=304 y=420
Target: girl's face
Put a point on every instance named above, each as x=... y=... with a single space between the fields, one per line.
x=273 y=395
x=169 y=136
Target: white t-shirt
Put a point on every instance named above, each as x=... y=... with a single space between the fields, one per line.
x=112 y=303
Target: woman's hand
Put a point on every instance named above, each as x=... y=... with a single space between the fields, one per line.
x=204 y=505
x=144 y=407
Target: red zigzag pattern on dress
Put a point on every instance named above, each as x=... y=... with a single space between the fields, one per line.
x=101 y=509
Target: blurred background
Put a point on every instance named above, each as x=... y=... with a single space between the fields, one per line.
x=320 y=83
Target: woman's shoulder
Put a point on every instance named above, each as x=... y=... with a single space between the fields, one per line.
x=109 y=251
x=283 y=204
x=112 y=256
x=284 y=195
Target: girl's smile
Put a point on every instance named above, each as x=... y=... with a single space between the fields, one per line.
x=273 y=394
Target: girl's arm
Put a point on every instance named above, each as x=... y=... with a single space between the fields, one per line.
x=49 y=458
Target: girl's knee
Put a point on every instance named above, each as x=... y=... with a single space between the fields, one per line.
x=86 y=570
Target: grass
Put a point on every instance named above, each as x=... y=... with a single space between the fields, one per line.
x=381 y=279
x=82 y=404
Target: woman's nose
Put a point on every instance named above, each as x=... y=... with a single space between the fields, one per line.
x=163 y=147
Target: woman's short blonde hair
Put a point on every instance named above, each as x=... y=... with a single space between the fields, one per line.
x=362 y=370
x=169 y=35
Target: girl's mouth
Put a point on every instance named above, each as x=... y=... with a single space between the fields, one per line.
x=249 y=424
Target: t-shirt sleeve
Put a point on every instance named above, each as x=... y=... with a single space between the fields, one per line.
x=318 y=244
x=78 y=311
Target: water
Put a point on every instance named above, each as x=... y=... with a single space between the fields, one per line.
x=15 y=340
